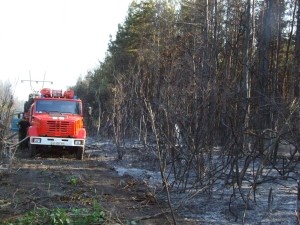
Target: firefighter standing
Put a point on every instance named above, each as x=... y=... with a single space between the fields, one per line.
x=23 y=126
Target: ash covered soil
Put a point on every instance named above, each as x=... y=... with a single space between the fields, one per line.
x=60 y=181
x=130 y=190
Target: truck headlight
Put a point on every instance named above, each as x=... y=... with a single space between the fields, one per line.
x=78 y=142
x=36 y=140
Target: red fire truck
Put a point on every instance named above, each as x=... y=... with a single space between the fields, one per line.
x=55 y=120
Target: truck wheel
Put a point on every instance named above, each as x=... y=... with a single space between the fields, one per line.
x=79 y=153
x=32 y=150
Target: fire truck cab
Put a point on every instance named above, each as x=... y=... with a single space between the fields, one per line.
x=56 y=122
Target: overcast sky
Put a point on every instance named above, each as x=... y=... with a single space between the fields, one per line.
x=61 y=39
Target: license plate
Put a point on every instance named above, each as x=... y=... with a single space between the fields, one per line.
x=57 y=143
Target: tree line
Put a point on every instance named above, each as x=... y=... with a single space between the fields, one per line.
x=191 y=75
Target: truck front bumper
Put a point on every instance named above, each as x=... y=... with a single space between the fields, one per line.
x=71 y=142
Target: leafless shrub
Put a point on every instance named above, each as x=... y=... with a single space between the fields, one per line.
x=7 y=147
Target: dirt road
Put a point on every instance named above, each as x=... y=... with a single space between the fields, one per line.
x=61 y=181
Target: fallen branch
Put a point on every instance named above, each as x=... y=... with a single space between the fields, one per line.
x=152 y=216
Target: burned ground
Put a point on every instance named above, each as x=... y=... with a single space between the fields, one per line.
x=130 y=192
x=61 y=181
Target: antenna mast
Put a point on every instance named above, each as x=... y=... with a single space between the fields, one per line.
x=36 y=81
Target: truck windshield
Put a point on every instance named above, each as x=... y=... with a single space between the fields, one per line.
x=58 y=106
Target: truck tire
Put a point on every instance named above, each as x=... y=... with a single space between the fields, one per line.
x=79 y=153
x=32 y=150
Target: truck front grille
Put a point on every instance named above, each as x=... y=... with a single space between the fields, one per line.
x=59 y=129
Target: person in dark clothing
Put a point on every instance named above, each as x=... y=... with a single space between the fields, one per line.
x=23 y=126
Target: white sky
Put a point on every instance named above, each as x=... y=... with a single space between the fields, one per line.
x=61 y=39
